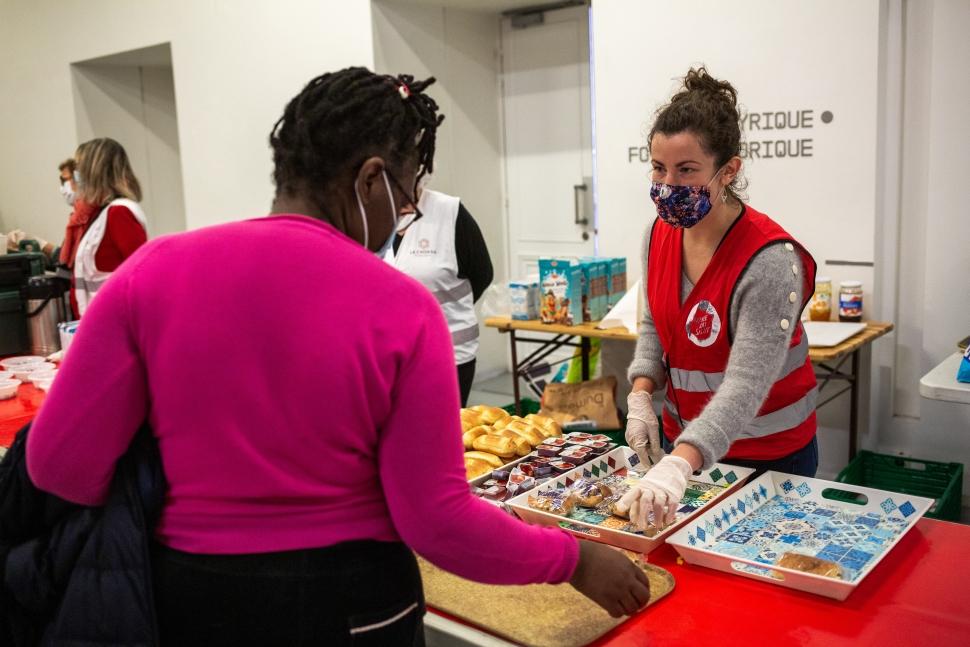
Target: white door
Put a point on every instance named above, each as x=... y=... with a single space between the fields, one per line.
x=548 y=138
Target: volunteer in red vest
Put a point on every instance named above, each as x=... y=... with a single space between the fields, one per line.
x=445 y=251
x=725 y=286
x=107 y=224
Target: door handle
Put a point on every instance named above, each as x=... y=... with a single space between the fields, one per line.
x=576 y=200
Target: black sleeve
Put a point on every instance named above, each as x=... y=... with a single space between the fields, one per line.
x=474 y=263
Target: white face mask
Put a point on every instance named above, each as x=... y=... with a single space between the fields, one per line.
x=68 y=193
x=363 y=217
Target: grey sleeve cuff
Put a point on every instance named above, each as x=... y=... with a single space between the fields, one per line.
x=708 y=438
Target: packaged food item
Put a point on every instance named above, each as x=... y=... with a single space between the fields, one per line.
x=595 y=288
x=556 y=502
x=963 y=372
x=524 y=299
x=561 y=287
x=554 y=442
x=495 y=493
x=562 y=467
x=850 y=301
x=809 y=564
x=487 y=457
x=519 y=483
x=499 y=445
x=589 y=493
x=548 y=451
x=820 y=307
x=575 y=455
x=500 y=475
x=578 y=437
x=617 y=280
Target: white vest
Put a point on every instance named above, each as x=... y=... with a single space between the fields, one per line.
x=88 y=279
x=427 y=253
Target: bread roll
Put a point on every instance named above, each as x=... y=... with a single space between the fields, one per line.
x=470 y=419
x=531 y=434
x=546 y=425
x=502 y=423
x=472 y=434
x=489 y=458
x=498 y=445
x=475 y=467
x=490 y=415
x=522 y=445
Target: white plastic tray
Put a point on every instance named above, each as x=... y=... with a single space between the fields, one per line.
x=747 y=531
x=725 y=476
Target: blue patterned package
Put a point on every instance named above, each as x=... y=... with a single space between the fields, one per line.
x=963 y=373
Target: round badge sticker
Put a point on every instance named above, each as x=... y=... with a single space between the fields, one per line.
x=703 y=324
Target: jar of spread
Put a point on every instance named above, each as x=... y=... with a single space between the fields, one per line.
x=850 y=301
x=820 y=307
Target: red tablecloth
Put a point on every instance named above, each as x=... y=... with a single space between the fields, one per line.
x=918 y=595
x=18 y=411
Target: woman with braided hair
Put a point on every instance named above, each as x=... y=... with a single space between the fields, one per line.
x=321 y=443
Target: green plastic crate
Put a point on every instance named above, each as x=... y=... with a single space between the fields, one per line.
x=940 y=481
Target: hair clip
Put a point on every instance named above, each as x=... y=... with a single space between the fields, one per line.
x=404 y=91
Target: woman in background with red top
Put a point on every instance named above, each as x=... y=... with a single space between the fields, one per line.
x=107 y=224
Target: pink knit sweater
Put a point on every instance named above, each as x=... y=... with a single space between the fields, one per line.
x=303 y=393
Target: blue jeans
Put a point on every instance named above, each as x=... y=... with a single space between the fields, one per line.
x=802 y=462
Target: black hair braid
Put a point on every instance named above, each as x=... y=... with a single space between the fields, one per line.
x=341 y=118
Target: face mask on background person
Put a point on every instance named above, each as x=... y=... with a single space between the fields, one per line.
x=68 y=194
x=682 y=206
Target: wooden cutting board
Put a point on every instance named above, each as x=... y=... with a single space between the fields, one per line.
x=537 y=615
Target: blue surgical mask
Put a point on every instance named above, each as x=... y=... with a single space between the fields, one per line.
x=363 y=217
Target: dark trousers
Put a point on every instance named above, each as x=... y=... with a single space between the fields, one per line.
x=466 y=375
x=354 y=593
x=803 y=462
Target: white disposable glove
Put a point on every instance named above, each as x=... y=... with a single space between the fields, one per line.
x=659 y=491
x=643 y=429
x=14 y=238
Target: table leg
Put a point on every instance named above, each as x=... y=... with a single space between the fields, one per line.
x=584 y=356
x=854 y=407
x=515 y=375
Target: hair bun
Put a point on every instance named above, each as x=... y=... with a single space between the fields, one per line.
x=699 y=80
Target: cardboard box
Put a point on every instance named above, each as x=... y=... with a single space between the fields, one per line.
x=524 y=299
x=597 y=293
x=561 y=288
x=616 y=279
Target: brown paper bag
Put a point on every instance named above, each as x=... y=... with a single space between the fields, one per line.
x=593 y=400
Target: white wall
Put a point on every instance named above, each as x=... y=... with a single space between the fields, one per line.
x=923 y=231
x=772 y=53
x=236 y=63
x=458 y=48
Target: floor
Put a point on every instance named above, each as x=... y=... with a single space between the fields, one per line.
x=497 y=392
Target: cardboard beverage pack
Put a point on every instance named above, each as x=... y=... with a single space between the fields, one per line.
x=524 y=299
x=596 y=295
x=616 y=280
x=561 y=292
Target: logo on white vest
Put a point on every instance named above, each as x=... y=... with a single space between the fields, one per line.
x=703 y=324
x=424 y=248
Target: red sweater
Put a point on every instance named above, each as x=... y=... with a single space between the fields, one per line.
x=123 y=234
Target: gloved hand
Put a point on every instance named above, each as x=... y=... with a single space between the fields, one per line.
x=643 y=428
x=13 y=240
x=660 y=492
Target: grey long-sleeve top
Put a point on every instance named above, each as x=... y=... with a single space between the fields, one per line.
x=759 y=304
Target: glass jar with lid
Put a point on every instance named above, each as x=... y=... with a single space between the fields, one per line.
x=850 y=301
x=820 y=307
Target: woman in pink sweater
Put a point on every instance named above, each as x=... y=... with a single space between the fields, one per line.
x=304 y=399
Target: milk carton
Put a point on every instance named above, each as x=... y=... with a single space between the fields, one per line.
x=561 y=288
x=524 y=298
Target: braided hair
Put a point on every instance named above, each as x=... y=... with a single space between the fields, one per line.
x=341 y=118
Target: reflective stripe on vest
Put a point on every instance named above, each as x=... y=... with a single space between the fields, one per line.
x=770 y=423
x=700 y=382
x=456 y=293
x=459 y=337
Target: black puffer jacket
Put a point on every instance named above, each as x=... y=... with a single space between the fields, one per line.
x=76 y=575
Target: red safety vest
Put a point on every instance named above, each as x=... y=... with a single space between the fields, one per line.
x=695 y=336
